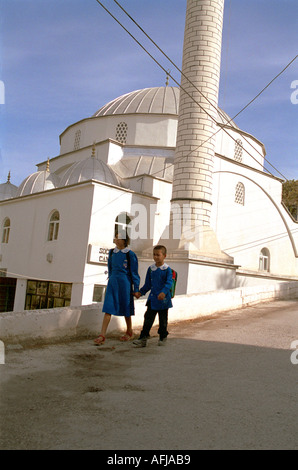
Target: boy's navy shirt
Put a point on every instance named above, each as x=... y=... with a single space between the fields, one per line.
x=158 y=279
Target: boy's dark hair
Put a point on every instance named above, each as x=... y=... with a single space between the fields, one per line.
x=162 y=248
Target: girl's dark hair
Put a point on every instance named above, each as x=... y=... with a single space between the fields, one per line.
x=123 y=235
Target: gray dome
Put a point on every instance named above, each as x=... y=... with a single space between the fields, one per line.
x=7 y=190
x=156 y=100
x=38 y=182
x=89 y=169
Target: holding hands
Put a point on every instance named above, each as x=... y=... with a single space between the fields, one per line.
x=160 y=296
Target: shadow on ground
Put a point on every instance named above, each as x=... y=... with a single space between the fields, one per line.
x=190 y=394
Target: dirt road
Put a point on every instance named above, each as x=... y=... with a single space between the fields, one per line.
x=223 y=383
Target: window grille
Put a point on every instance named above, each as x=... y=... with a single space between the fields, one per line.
x=121 y=132
x=77 y=140
x=238 y=150
x=240 y=194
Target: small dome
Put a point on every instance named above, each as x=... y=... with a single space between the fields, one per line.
x=7 y=190
x=38 y=182
x=89 y=169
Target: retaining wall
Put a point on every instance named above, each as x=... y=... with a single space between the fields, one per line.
x=37 y=326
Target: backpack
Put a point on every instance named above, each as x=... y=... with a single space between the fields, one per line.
x=174 y=282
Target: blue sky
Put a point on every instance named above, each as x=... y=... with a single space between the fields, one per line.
x=61 y=60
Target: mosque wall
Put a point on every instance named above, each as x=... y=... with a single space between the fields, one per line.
x=249 y=219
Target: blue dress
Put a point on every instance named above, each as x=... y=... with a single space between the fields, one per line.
x=119 y=299
x=158 y=279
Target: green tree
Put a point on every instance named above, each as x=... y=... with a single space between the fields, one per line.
x=290 y=196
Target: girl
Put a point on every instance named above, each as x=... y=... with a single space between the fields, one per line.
x=124 y=280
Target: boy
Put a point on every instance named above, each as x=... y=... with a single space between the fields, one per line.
x=158 y=281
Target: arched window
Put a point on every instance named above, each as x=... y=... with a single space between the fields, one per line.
x=264 y=260
x=54 y=226
x=121 y=132
x=6 y=230
x=122 y=224
x=238 y=150
x=240 y=194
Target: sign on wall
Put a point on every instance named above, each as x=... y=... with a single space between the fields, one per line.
x=98 y=254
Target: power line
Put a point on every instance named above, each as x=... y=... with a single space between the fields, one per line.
x=179 y=85
x=218 y=110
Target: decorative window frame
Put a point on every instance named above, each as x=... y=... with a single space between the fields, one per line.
x=264 y=260
x=77 y=140
x=121 y=132
x=53 y=226
x=240 y=194
x=238 y=151
x=5 y=230
x=47 y=294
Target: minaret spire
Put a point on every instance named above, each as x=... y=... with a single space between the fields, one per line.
x=167 y=77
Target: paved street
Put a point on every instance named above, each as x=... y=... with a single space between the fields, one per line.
x=221 y=383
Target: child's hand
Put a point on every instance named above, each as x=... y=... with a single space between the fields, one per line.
x=137 y=295
x=161 y=296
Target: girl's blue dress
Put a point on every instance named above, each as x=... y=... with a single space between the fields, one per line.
x=122 y=283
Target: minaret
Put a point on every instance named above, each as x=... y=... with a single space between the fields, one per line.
x=195 y=149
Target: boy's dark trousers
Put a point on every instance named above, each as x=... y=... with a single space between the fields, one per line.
x=149 y=320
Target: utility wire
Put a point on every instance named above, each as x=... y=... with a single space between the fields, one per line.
x=167 y=72
x=218 y=110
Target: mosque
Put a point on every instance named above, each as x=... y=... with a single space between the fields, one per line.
x=167 y=164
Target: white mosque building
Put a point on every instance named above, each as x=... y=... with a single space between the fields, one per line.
x=117 y=167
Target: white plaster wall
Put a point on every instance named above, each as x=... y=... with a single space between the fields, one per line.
x=243 y=230
x=142 y=129
x=253 y=151
x=25 y=255
x=26 y=252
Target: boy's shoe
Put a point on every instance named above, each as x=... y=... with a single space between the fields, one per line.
x=162 y=342
x=140 y=343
